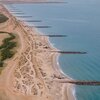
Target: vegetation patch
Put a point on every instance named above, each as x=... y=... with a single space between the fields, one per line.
x=6 y=49
x=3 y=18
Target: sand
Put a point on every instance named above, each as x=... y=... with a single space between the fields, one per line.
x=31 y=74
x=2 y=37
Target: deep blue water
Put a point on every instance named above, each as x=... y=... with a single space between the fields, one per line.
x=80 y=20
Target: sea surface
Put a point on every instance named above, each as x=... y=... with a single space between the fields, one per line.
x=80 y=21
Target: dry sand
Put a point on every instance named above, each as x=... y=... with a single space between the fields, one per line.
x=3 y=36
x=30 y=74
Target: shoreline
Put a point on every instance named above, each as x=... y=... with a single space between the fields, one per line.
x=55 y=60
x=56 y=65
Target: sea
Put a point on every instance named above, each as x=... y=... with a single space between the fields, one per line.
x=80 y=21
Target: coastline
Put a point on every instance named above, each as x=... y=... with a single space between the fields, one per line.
x=70 y=88
x=55 y=65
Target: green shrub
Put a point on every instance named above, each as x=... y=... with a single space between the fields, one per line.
x=3 y=18
x=9 y=45
x=1 y=63
x=5 y=54
x=6 y=48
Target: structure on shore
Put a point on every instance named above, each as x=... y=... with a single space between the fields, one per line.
x=42 y=26
x=61 y=79
x=30 y=1
x=18 y=13
x=13 y=11
x=70 y=52
x=33 y=20
x=53 y=35
x=24 y=16
x=91 y=83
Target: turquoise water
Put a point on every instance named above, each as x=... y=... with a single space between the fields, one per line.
x=80 y=20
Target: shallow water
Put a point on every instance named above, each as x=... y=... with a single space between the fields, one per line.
x=80 y=20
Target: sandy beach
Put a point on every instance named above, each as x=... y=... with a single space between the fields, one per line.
x=32 y=73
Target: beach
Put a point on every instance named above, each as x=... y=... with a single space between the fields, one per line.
x=31 y=74
x=79 y=21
